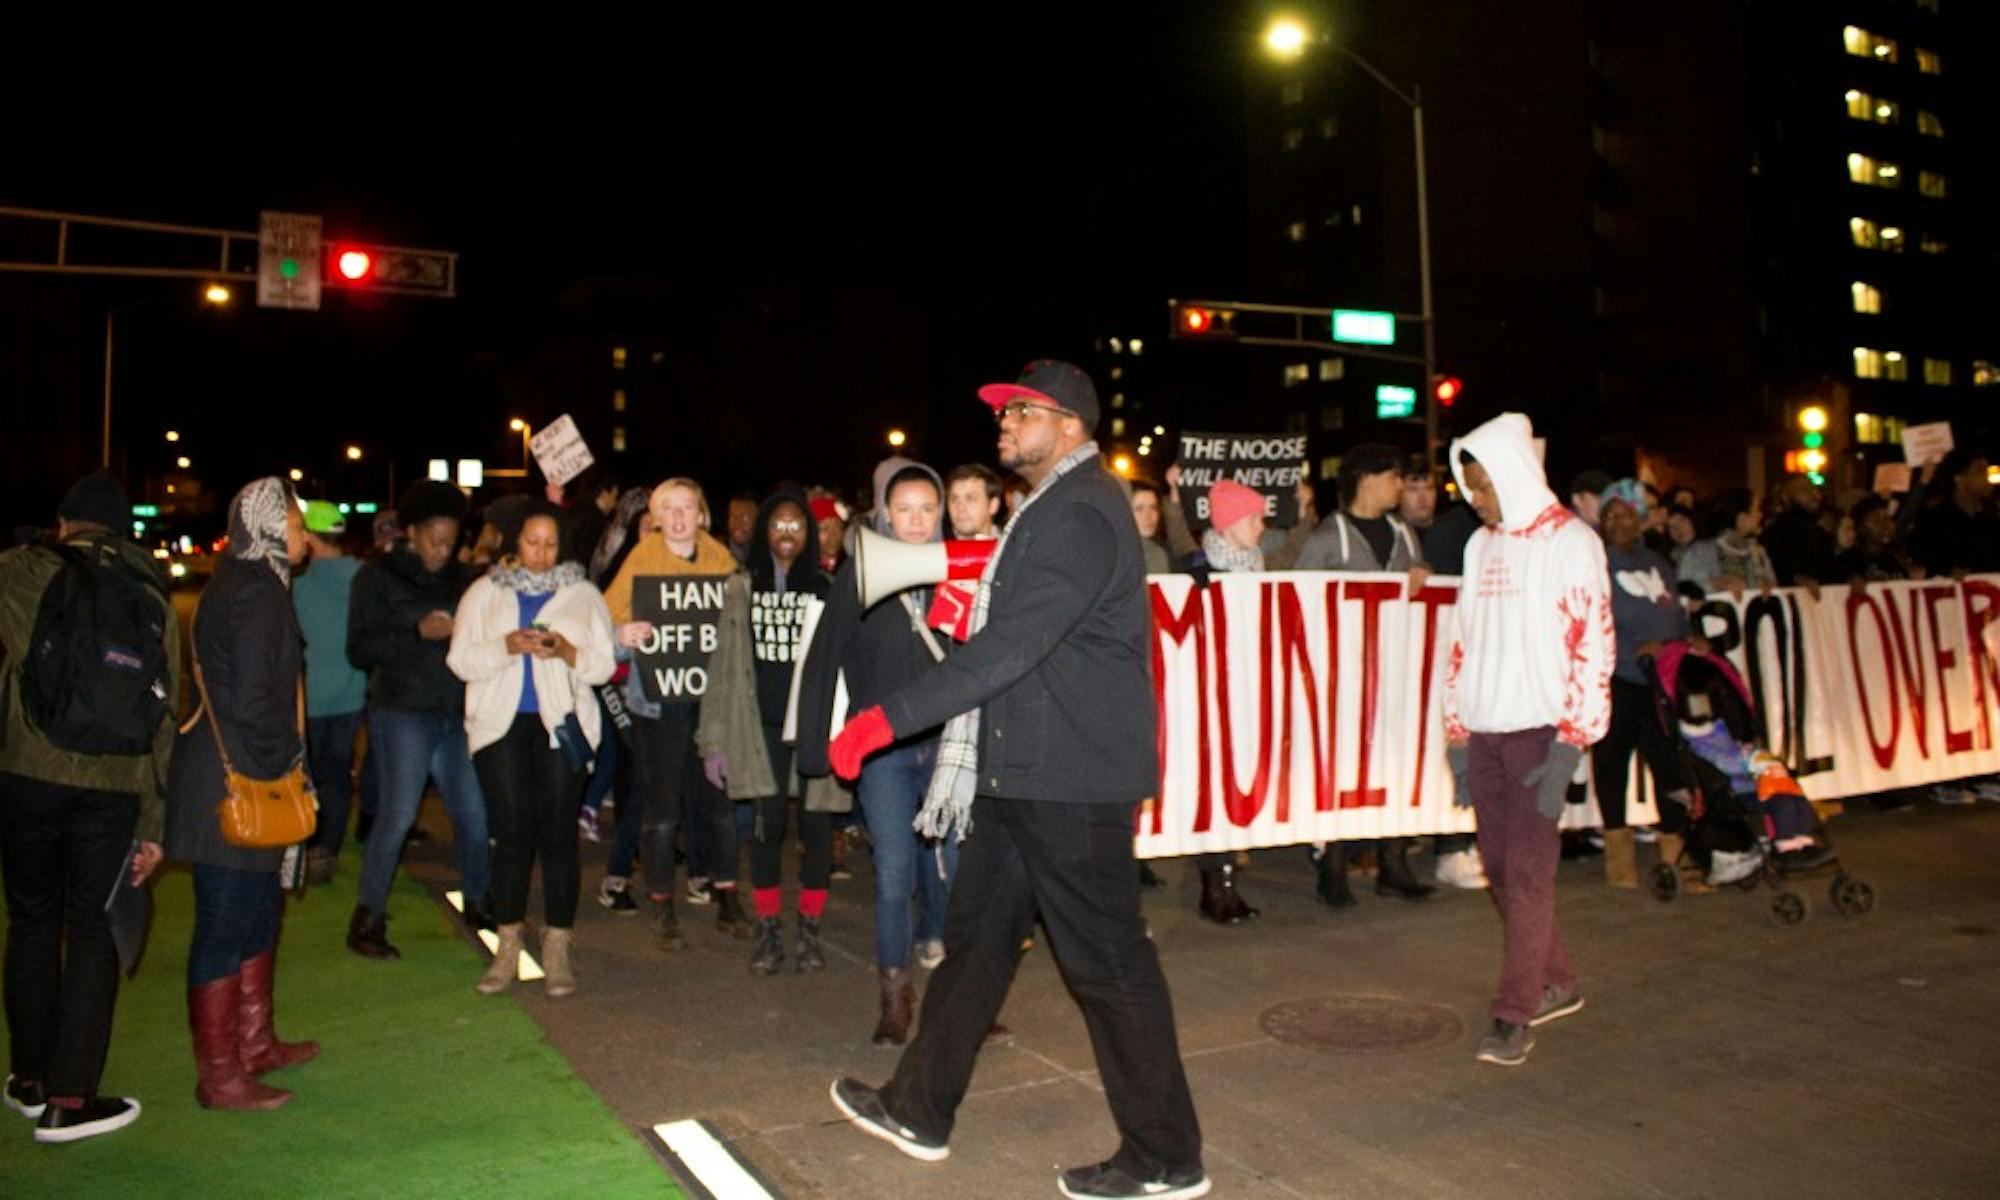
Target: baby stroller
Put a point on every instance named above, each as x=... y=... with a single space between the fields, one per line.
x=1749 y=821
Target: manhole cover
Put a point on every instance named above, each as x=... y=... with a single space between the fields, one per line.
x=1361 y=1024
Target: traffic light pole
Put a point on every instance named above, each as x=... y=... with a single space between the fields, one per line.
x=1424 y=273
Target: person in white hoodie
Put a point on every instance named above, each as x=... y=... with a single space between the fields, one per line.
x=531 y=637
x=1527 y=692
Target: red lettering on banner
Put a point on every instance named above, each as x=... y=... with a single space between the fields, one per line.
x=1956 y=741
x=1169 y=625
x=1323 y=787
x=1372 y=594
x=1243 y=806
x=1885 y=752
x=1985 y=668
x=1909 y=656
x=1292 y=654
x=1433 y=599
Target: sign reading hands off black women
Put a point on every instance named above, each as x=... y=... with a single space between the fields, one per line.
x=685 y=612
x=1271 y=463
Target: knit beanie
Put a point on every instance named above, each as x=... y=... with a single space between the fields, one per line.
x=1230 y=502
x=98 y=499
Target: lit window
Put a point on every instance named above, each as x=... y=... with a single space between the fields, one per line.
x=1873 y=171
x=1931 y=243
x=1331 y=369
x=1355 y=214
x=1864 y=107
x=1863 y=44
x=1294 y=92
x=1937 y=371
x=1868 y=429
x=1985 y=373
x=1296 y=231
x=618 y=438
x=1894 y=365
x=1866 y=299
x=1866 y=235
x=1928 y=124
x=1118 y=427
x=1298 y=373
x=1867 y=363
x=1118 y=372
x=1928 y=62
x=659 y=356
x=1931 y=184
x=1329 y=467
x=1892 y=239
x=617 y=358
x=1118 y=399
x=1329 y=127
x=1294 y=138
x=618 y=400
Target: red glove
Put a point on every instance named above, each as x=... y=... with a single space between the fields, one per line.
x=862 y=736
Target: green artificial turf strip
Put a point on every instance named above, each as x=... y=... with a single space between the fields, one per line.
x=422 y=1087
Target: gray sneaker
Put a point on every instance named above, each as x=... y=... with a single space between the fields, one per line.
x=1556 y=1004
x=1507 y=1045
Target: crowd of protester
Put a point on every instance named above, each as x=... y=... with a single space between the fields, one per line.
x=490 y=655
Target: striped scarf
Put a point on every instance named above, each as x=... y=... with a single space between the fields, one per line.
x=947 y=809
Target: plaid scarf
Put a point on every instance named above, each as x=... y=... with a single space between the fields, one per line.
x=1224 y=555
x=947 y=809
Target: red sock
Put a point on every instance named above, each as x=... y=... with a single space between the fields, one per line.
x=768 y=902
x=812 y=902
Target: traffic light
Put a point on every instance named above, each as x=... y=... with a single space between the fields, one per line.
x=1203 y=321
x=364 y=266
x=1447 y=390
x=1810 y=458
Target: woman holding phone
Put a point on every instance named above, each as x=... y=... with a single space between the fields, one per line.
x=531 y=639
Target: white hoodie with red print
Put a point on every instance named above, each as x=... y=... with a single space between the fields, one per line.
x=1536 y=642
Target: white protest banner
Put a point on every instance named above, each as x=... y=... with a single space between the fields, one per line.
x=1891 y=479
x=1927 y=443
x=1271 y=463
x=559 y=451
x=1304 y=706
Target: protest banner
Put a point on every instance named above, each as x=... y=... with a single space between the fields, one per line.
x=1271 y=463
x=685 y=612
x=559 y=450
x=1306 y=706
x=1927 y=443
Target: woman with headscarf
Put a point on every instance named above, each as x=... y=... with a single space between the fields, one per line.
x=531 y=639
x=250 y=654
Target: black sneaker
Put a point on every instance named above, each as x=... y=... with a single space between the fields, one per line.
x=863 y=1106
x=25 y=1097
x=615 y=896
x=99 y=1114
x=1107 y=1180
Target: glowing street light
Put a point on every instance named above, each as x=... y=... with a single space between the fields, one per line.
x=297 y=475
x=1122 y=464
x=897 y=437
x=216 y=294
x=173 y=435
x=354 y=454
x=1286 y=37
x=183 y=462
x=1813 y=419
x=525 y=430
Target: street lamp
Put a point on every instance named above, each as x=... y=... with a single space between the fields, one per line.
x=354 y=454
x=524 y=429
x=216 y=294
x=897 y=437
x=173 y=435
x=1287 y=38
x=297 y=475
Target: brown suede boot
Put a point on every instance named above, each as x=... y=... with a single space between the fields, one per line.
x=1621 y=864
x=1691 y=881
x=214 y=1015
x=899 y=1007
x=506 y=963
x=257 y=1037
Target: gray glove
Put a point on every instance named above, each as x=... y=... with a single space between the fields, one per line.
x=1458 y=756
x=1551 y=779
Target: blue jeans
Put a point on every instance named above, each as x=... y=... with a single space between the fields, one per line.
x=599 y=784
x=409 y=748
x=891 y=791
x=330 y=762
x=236 y=915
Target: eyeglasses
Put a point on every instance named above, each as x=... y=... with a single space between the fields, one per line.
x=1019 y=409
x=788 y=525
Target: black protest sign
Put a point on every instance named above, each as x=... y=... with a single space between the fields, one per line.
x=1271 y=463
x=685 y=612
x=777 y=625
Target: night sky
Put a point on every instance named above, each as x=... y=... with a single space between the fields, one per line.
x=1026 y=178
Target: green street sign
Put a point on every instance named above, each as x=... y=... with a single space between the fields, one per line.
x=1393 y=401
x=145 y=510
x=1363 y=327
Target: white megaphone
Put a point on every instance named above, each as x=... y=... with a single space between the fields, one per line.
x=884 y=566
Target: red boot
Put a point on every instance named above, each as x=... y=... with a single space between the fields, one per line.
x=257 y=1042
x=214 y=1016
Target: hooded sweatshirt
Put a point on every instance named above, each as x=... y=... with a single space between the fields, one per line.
x=1536 y=643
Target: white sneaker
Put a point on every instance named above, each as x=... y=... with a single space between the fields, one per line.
x=930 y=955
x=1461 y=869
x=1645 y=835
x=1725 y=867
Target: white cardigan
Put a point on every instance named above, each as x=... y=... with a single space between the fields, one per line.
x=478 y=655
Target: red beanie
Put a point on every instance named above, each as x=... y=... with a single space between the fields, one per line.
x=1230 y=502
x=824 y=507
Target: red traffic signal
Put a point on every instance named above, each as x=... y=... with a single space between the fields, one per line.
x=1196 y=320
x=1447 y=390
x=353 y=264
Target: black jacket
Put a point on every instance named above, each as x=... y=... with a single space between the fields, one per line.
x=246 y=638
x=1060 y=672
x=405 y=670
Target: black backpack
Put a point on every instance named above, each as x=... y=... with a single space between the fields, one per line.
x=96 y=680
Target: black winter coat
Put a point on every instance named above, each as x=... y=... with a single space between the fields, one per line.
x=247 y=640
x=405 y=670
x=1061 y=671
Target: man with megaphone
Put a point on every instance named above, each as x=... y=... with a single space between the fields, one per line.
x=1048 y=751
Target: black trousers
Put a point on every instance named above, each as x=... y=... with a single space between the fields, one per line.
x=1635 y=724
x=1073 y=863
x=532 y=798
x=61 y=848
x=668 y=783
x=768 y=831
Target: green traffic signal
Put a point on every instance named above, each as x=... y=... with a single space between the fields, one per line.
x=1813 y=440
x=288 y=267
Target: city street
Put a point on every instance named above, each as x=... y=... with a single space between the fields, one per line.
x=1719 y=1055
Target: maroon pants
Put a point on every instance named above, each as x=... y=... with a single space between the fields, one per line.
x=1520 y=848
